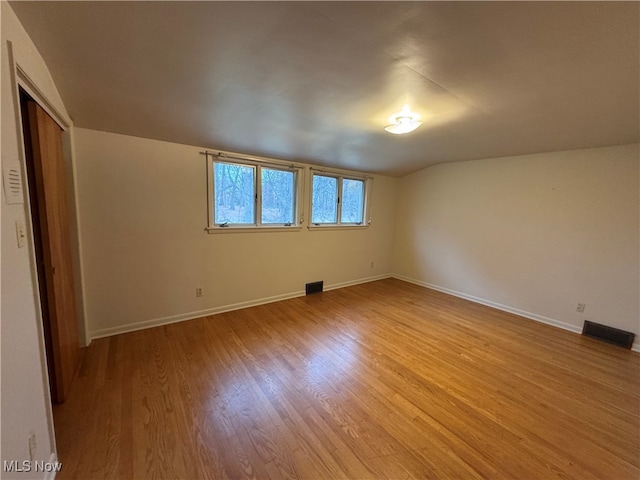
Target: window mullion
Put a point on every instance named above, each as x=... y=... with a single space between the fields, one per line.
x=211 y=193
x=297 y=207
x=339 y=204
x=258 y=189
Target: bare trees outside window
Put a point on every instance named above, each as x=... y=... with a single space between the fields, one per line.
x=278 y=196
x=337 y=200
x=253 y=195
x=235 y=193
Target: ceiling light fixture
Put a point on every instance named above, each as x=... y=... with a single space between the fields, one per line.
x=403 y=122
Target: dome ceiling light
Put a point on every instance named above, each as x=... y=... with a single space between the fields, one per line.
x=403 y=122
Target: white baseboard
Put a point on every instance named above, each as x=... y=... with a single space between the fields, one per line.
x=156 y=322
x=132 y=327
x=350 y=283
x=505 y=308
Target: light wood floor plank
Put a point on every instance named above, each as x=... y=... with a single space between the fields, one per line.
x=381 y=380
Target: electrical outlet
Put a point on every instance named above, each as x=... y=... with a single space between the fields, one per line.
x=32 y=446
x=198 y=292
x=371 y=263
x=580 y=308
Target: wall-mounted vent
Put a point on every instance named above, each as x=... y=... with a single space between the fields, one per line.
x=608 y=334
x=12 y=179
x=314 y=287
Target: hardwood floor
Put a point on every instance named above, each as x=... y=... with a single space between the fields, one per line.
x=381 y=380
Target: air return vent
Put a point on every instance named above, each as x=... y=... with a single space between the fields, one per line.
x=608 y=334
x=314 y=287
x=12 y=183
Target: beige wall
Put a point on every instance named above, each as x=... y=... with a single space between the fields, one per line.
x=143 y=209
x=25 y=399
x=534 y=234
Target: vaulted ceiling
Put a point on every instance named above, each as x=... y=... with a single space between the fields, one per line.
x=317 y=81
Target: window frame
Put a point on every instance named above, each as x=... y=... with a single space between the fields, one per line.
x=339 y=224
x=257 y=165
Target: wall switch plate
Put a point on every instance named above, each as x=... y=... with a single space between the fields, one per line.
x=32 y=446
x=21 y=234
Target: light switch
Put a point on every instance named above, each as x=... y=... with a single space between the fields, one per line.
x=21 y=233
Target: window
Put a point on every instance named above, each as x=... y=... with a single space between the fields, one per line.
x=352 y=200
x=324 y=202
x=234 y=194
x=337 y=200
x=245 y=194
x=278 y=205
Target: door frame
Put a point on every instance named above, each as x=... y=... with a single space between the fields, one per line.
x=21 y=80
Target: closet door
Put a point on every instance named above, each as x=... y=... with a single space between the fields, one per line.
x=45 y=162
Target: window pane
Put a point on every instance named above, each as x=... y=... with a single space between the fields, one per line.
x=324 y=200
x=352 y=201
x=277 y=196
x=234 y=200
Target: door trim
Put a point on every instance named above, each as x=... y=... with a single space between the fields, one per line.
x=19 y=78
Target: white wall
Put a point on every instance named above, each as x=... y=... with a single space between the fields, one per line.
x=25 y=398
x=534 y=234
x=143 y=209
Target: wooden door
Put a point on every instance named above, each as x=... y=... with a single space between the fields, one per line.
x=50 y=215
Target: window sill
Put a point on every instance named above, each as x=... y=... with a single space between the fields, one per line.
x=292 y=228
x=338 y=227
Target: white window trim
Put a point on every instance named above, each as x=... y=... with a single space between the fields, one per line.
x=257 y=163
x=342 y=226
x=366 y=205
x=253 y=228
